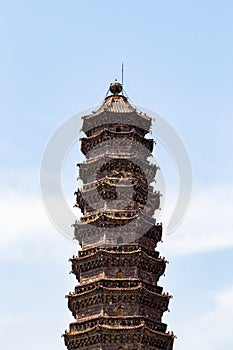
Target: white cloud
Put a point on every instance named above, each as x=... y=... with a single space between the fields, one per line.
x=212 y=330
x=25 y=226
x=35 y=272
x=208 y=224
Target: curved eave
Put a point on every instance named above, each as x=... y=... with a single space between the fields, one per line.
x=115 y=321
x=116 y=181
x=121 y=157
x=108 y=282
x=138 y=290
x=118 y=110
x=106 y=118
x=129 y=248
x=108 y=253
x=116 y=104
x=119 y=186
x=167 y=339
x=114 y=217
x=105 y=135
x=109 y=217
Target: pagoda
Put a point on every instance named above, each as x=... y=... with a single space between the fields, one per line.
x=118 y=303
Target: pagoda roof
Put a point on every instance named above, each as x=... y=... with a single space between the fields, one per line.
x=114 y=216
x=118 y=107
x=120 y=328
x=129 y=156
x=140 y=289
x=116 y=283
x=129 y=248
x=135 y=334
x=116 y=321
x=106 y=134
x=120 y=185
x=100 y=253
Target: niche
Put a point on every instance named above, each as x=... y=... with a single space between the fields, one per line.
x=119 y=274
x=119 y=240
x=119 y=312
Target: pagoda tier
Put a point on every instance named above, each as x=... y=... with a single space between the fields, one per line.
x=125 y=197
x=112 y=165
x=113 y=218
x=116 y=109
x=88 y=143
x=115 y=127
x=117 y=142
x=138 y=231
x=120 y=337
x=118 y=304
x=136 y=300
x=116 y=283
x=107 y=263
x=117 y=321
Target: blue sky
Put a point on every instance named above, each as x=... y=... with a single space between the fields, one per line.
x=58 y=58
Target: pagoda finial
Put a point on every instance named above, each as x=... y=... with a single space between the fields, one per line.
x=115 y=87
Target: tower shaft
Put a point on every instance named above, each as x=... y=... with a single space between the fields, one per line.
x=118 y=303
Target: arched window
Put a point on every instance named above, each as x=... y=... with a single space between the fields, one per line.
x=119 y=312
x=119 y=274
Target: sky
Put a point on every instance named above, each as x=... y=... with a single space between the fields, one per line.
x=57 y=59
